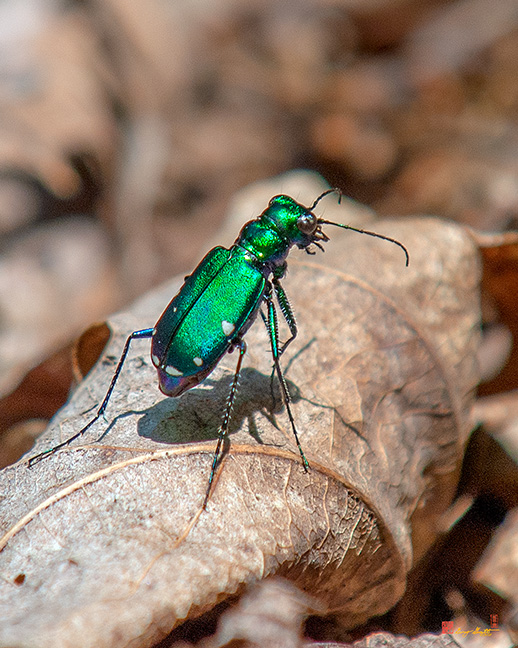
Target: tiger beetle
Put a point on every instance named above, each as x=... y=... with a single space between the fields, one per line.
x=218 y=303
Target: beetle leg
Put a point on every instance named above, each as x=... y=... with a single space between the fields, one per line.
x=272 y=390
x=287 y=313
x=274 y=342
x=136 y=335
x=289 y=317
x=223 y=430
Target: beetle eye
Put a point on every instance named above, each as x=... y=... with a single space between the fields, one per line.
x=307 y=223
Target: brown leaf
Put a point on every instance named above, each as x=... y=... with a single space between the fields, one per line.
x=109 y=534
x=499 y=253
x=39 y=395
x=270 y=615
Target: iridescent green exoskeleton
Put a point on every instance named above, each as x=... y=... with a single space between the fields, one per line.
x=220 y=300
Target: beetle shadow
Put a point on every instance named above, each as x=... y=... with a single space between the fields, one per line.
x=197 y=415
x=345 y=423
x=349 y=426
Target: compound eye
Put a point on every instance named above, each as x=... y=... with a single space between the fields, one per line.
x=307 y=223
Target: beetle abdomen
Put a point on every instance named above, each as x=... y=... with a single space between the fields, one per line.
x=231 y=298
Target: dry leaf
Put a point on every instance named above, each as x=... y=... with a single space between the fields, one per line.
x=39 y=395
x=105 y=542
x=386 y=640
x=270 y=615
x=499 y=253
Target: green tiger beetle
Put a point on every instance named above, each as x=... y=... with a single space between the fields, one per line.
x=218 y=303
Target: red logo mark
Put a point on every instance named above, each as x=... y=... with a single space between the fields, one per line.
x=447 y=627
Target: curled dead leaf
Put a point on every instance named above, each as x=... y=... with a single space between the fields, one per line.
x=109 y=533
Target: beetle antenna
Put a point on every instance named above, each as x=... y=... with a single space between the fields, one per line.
x=326 y=193
x=321 y=221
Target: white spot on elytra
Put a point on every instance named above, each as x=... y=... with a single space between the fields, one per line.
x=228 y=327
x=155 y=360
x=173 y=371
x=197 y=361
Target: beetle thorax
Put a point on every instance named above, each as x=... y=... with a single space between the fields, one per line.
x=270 y=237
x=265 y=244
